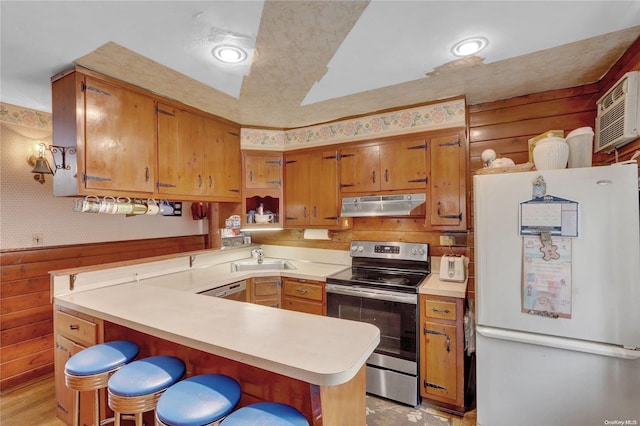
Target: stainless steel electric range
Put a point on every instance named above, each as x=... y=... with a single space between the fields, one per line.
x=381 y=288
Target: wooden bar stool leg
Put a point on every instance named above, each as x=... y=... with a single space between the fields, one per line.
x=139 y=419
x=76 y=407
x=96 y=414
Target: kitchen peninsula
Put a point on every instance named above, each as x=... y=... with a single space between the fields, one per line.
x=312 y=362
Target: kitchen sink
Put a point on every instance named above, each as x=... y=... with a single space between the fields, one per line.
x=253 y=265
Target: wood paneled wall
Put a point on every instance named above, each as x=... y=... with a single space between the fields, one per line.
x=507 y=125
x=26 y=314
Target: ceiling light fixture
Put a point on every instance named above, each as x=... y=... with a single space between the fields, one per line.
x=229 y=54
x=469 y=46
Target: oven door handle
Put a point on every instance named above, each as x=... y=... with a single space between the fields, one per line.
x=372 y=294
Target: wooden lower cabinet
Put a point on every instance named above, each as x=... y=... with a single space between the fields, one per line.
x=304 y=296
x=442 y=360
x=265 y=291
x=74 y=333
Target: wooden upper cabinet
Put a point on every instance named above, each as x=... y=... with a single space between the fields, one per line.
x=396 y=165
x=224 y=161
x=297 y=178
x=263 y=171
x=111 y=128
x=198 y=157
x=180 y=152
x=120 y=138
x=311 y=189
x=360 y=169
x=403 y=165
x=448 y=163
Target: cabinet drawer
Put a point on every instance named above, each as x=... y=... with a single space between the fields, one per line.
x=440 y=309
x=302 y=306
x=76 y=329
x=305 y=290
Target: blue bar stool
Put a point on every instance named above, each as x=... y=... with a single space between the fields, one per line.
x=136 y=387
x=266 y=413
x=90 y=369
x=198 y=401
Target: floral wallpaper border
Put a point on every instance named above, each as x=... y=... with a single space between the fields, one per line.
x=13 y=114
x=429 y=117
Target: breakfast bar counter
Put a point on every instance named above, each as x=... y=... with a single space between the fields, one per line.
x=326 y=356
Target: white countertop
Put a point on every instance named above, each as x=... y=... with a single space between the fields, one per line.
x=437 y=287
x=201 y=279
x=316 y=349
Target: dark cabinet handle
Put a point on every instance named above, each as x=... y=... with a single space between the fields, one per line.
x=448 y=216
x=373 y=176
x=444 y=311
x=146 y=174
x=386 y=175
x=250 y=175
x=74 y=327
x=302 y=290
x=210 y=181
x=199 y=181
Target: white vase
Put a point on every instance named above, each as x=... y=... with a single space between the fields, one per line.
x=551 y=153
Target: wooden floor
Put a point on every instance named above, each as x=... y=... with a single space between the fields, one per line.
x=34 y=404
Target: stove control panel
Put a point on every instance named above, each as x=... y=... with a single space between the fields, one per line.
x=390 y=250
x=386 y=249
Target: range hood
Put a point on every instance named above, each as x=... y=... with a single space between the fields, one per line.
x=381 y=205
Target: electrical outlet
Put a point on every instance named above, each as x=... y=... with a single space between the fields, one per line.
x=447 y=240
x=37 y=239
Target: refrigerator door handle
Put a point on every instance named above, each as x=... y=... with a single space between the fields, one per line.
x=559 y=342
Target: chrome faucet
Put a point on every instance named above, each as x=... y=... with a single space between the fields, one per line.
x=260 y=254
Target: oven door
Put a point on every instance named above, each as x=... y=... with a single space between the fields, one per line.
x=393 y=313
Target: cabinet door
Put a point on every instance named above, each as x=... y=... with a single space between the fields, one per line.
x=119 y=138
x=231 y=163
x=65 y=409
x=265 y=291
x=222 y=161
x=297 y=175
x=441 y=351
x=448 y=181
x=323 y=189
x=180 y=153
x=403 y=165
x=360 y=169
x=262 y=171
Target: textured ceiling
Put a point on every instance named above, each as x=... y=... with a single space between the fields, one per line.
x=315 y=61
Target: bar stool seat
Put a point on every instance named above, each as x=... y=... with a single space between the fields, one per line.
x=90 y=369
x=198 y=400
x=136 y=387
x=266 y=413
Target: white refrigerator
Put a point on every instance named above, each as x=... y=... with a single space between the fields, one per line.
x=557 y=267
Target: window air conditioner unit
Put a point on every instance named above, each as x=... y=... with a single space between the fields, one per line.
x=618 y=119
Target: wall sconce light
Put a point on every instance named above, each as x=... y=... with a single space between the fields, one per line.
x=40 y=164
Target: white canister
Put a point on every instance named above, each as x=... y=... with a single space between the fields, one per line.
x=551 y=153
x=580 y=143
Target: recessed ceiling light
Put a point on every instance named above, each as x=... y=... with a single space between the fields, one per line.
x=469 y=46
x=228 y=53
